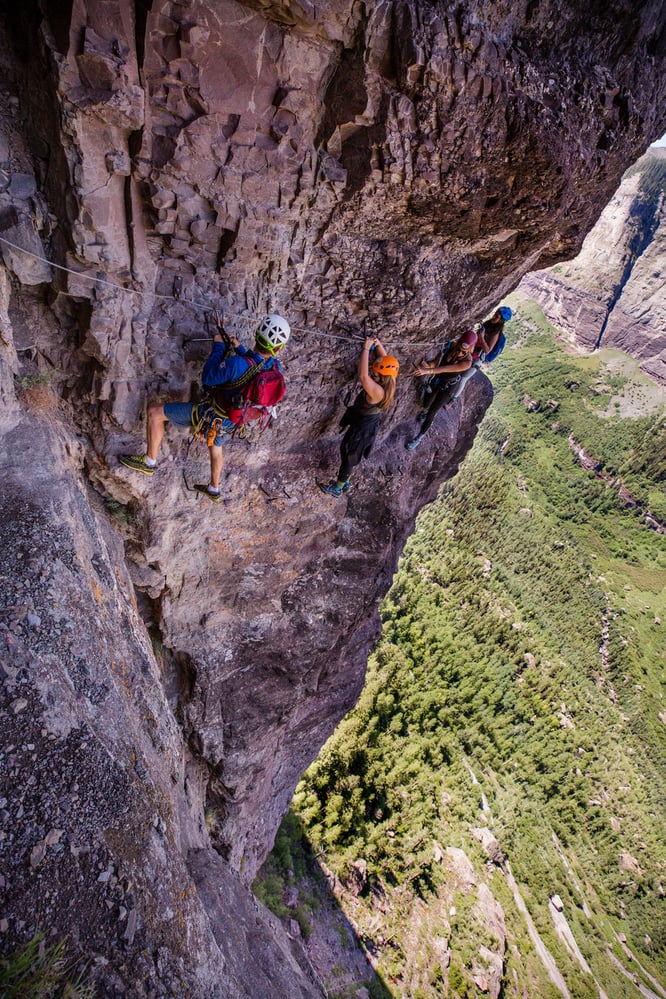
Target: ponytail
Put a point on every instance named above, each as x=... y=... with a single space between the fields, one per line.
x=387 y=382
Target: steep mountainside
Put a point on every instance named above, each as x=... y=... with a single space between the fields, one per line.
x=374 y=165
x=492 y=813
x=614 y=293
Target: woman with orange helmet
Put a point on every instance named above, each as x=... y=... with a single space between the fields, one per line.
x=455 y=360
x=361 y=420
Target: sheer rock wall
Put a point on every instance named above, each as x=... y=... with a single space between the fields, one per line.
x=395 y=164
x=613 y=294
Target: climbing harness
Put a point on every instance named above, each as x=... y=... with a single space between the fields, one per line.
x=207 y=423
x=433 y=382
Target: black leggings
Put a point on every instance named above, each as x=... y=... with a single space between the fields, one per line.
x=356 y=445
x=347 y=464
x=441 y=396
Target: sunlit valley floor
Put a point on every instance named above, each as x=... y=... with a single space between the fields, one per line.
x=491 y=816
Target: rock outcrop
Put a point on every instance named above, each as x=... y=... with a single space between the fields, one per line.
x=377 y=165
x=613 y=293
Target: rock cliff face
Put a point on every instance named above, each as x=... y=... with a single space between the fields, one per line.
x=613 y=293
x=167 y=660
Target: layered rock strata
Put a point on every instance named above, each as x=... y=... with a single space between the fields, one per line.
x=377 y=166
x=613 y=294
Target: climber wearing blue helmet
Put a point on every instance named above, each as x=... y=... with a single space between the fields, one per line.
x=489 y=345
x=491 y=331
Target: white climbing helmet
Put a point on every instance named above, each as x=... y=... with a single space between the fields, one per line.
x=273 y=333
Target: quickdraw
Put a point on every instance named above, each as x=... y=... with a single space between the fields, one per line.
x=209 y=423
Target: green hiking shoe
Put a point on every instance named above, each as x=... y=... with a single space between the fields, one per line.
x=334 y=488
x=202 y=488
x=137 y=462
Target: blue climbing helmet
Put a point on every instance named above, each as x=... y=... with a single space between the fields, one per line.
x=505 y=312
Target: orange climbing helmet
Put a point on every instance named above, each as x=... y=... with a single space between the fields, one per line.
x=386 y=365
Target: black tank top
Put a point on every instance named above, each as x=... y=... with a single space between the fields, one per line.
x=363 y=407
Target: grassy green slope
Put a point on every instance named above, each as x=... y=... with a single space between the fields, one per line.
x=523 y=643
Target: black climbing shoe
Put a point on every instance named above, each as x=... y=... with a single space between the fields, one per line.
x=205 y=491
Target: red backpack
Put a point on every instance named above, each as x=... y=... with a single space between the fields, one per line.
x=251 y=396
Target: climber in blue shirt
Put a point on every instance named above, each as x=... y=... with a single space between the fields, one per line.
x=221 y=368
x=224 y=367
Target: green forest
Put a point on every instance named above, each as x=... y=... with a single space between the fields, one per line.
x=513 y=713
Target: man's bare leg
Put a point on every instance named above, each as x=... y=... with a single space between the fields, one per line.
x=147 y=463
x=216 y=461
x=156 y=423
x=212 y=490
